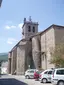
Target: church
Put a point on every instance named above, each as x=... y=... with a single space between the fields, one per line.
x=33 y=50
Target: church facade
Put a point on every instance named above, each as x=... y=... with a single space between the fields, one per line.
x=33 y=51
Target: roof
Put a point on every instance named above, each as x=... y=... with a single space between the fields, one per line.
x=53 y=25
x=18 y=44
x=59 y=68
x=39 y=33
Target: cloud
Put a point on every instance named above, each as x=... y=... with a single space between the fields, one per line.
x=9 y=27
x=20 y=25
x=11 y=41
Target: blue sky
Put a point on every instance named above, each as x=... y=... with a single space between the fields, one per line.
x=12 y=13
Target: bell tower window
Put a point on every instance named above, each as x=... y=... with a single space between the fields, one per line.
x=29 y=28
x=33 y=29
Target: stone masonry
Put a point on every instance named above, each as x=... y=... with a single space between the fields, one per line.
x=34 y=52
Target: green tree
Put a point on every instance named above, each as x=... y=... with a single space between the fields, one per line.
x=57 y=55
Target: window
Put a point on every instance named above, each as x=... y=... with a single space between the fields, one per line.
x=33 y=29
x=29 y=28
x=37 y=72
x=50 y=72
x=60 y=72
x=46 y=72
x=31 y=71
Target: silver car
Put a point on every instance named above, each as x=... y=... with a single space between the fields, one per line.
x=45 y=76
x=30 y=73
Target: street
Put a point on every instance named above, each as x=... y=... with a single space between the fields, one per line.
x=18 y=80
x=11 y=81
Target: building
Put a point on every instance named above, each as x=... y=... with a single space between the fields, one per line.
x=29 y=28
x=20 y=57
x=34 y=49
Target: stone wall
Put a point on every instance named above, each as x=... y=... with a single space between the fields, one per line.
x=9 y=63
x=47 y=42
x=24 y=56
x=20 y=59
x=13 y=61
x=59 y=35
x=36 y=51
x=28 y=55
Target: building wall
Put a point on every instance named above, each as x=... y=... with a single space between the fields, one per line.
x=47 y=42
x=13 y=61
x=25 y=29
x=20 y=59
x=59 y=35
x=28 y=55
x=24 y=56
x=36 y=51
x=9 y=62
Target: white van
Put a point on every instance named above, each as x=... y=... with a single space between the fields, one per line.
x=58 y=76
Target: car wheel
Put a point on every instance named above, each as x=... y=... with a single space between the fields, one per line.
x=27 y=77
x=44 y=80
x=60 y=83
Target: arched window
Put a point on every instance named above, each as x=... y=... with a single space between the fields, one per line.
x=29 y=28
x=33 y=29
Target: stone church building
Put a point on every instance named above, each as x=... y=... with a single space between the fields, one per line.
x=33 y=51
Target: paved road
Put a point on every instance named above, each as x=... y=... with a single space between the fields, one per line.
x=19 y=80
x=11 y=81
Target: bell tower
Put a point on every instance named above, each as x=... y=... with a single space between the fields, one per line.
x=29 y=28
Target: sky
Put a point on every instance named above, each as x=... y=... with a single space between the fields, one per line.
x=12 y=13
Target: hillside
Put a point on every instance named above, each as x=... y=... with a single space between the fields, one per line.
x=4 y=56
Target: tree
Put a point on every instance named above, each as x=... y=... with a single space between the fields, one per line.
x=57 y=55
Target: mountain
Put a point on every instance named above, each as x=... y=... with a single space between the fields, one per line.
x=3 y=56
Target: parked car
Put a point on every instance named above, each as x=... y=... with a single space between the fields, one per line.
x=45 y=76
x=30 y=73
x=58 y=77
